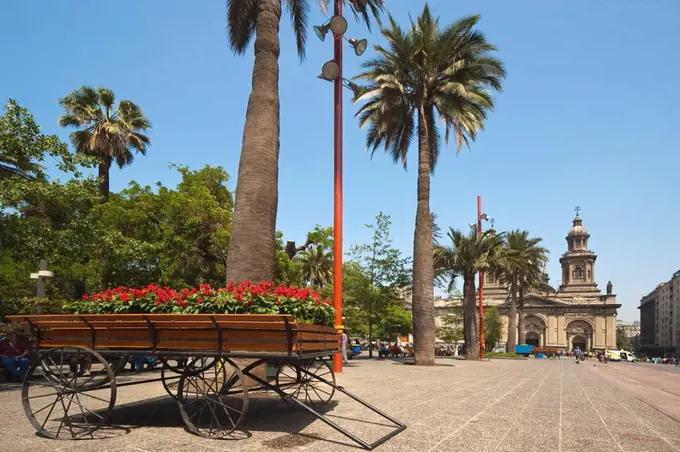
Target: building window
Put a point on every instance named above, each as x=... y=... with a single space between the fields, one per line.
x=578 y=273
x=490 y=278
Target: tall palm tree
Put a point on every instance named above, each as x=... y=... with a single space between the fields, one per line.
x=467 y=255
x=253 y=242
x=427 y=73
x=317 y=265
x=106 y=132
x=522 y=261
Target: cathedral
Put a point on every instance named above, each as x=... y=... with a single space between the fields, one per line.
x=577 y=314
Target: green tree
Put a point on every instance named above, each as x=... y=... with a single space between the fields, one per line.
x=427 y=73
x=105 y=132
x=452 y=324
x=521 y=267
x=252 y=251
x=493 y=327
x=385 y=272
x=317 y=265
x=622 y=340
x=467 y=255
x=23 y=147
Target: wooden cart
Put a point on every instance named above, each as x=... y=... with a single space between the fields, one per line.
x=210 y=364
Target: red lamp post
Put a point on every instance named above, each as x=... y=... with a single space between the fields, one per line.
x=332 y=72
x=337 y=187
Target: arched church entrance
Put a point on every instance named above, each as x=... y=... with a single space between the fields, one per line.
x=580 y=342
x=533 y=339
x=580 y=333
x=535 y=331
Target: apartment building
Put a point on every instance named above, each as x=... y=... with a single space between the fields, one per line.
x=660 y=316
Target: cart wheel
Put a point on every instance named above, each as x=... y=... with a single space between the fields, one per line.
x=64 y=404
x=298 y=381
x=171 y=369
x=212 y=399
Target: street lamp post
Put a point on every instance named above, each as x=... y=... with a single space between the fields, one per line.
x=481 y=216
x=337 y=186
x=332 y=71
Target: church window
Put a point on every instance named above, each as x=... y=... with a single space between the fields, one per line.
x=578 y=273
x=490 y=278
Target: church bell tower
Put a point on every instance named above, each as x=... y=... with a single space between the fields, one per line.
x=578 y=263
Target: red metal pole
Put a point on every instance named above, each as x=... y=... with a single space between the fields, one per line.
x=481 y=283
x=337 y=186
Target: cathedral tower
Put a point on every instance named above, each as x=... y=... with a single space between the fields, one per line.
x=578 y=264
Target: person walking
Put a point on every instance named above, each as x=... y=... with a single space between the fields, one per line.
x=345 y=340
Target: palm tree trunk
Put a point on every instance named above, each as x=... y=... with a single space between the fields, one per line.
x=104 y=185
x=512 y=317
x=252 y=245
x=470 y=331
x=423 y=266
x=521 y=328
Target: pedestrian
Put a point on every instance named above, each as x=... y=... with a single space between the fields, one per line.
x=345 y=340
x=13 y=357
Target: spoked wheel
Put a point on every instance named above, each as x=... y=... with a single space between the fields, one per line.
x=81 y=362
x=212 y=397
x=170 y=372
x=62 y=403
x=298 y=381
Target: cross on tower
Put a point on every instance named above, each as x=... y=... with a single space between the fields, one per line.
x=577 y=210
x=492 y=221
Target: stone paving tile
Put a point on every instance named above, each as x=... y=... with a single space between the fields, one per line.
x=501 y=405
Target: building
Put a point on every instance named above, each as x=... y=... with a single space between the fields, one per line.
x=631 y=330
x=576 y=314
x=660 y=316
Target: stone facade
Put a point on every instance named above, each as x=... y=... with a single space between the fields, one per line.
x=577 y=314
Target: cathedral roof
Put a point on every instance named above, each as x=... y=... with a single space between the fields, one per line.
x=577 y=228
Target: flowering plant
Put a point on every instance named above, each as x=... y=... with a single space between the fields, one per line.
x=246 y=298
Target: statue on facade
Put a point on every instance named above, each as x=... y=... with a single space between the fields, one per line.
x=610 y=288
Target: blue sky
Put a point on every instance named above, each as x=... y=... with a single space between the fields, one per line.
x=589 y=117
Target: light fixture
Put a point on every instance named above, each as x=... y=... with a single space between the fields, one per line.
x=337 y=24
x=330 y=70
x=359 y=45
x=484 y=217
x=356 y=89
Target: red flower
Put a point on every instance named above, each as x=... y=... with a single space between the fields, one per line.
x=199 y=300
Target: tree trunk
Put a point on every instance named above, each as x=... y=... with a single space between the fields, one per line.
x=253 y=243
x=370 y=337
x=470 y=330
x=512 y=317
x=104 y=186
x=521 y=327
x=423 y=266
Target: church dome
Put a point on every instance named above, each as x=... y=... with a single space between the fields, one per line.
x=578 y=228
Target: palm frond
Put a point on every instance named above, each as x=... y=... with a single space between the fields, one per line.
x=298 y=10
x=241 y=21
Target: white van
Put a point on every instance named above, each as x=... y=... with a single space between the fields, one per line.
x=628 y=357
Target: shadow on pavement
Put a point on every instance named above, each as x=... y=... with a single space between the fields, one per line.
x=266 y=413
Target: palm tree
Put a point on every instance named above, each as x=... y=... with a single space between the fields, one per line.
x=253 y=242
x=317 y=265
x=466 y=256
x=522 y=261
x=106 y=132
x=427 y=73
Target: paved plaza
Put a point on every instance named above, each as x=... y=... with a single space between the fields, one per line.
x=498 y=405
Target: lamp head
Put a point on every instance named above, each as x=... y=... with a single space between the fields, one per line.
x=321 y=31
x=338 y=25
x=330 y=70
x=359 y=45
x=356 y=89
